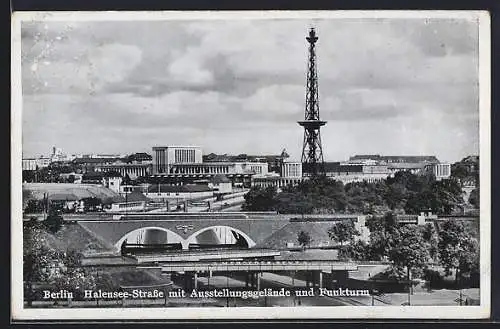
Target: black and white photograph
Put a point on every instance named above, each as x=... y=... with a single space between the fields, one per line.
x=250 y=165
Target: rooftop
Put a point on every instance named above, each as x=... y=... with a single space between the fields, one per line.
x=136 y=196
x=212 y=157
x=95 y=160
x=218 y=163
x=69 y=191
x=396 y=158
x=338 y=167
x=220 y=178
x=406 y=165
x=175 y=147
x=120 y=164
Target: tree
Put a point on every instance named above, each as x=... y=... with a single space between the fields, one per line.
x=91 y=203
x=293 y=203
x=304 y=239
x=458 y=250
x=431 y=237
x=396 y=196
x=260 y=199
x=33 y=206
x=418 y=202
x=468 y=265
x=410 y=251
x=38 y=258
x=126 y=180
x=448 y=195
x=343 y=232
x=70 y=179
x=74 y=277
x=354 y=251
x=316 y=195
x=383 y=236
x=460 y=170
x=451 y=236
x=53 y=222
x=441 y=197
x=44 y=264
x=29 y=176
x=382 y=223
x=474 y=198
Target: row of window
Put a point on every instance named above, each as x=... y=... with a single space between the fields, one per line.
x=160 y=160
x=184 y=156
x=442 y=170
x=200 y=170
x=292 y=170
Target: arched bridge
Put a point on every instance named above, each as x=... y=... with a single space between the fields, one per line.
x=185 y=230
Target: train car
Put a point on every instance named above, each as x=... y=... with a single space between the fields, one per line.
x=149 y=248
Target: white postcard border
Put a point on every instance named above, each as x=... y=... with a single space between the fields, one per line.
x=207 y=313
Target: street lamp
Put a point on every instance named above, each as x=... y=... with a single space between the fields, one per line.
x=227 y=285
x=126 y=204
x=409 y=286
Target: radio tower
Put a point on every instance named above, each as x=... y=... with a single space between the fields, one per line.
x=312 y=153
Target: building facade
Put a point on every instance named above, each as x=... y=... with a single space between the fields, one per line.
x=291 y=169
x=214 y=168
x=440 y=170
x=112 y=182
x=221 y=184
x=356 y=172
x=180 y=193
x=57 y=155
x=91 y=164
x=166 y=156
x=393 y=158
x=133 y=170
x=30 y=164
x=240 y=173
x=276 y=181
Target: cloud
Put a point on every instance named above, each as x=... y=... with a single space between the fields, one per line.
x=442 y=37
x=189 y=68
x=88 y=73
x=276 y=99
x=228 y=85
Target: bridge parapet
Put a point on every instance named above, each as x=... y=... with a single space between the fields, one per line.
x=207 y=255
x=259 y=266
x=254 y=231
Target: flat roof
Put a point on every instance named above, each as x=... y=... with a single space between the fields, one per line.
x=164 y=188
x=176 y=146
x=226 y=163
x=147 y=164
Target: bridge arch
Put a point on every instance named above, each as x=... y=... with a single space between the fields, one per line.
x=192 y=238
x=128 y=234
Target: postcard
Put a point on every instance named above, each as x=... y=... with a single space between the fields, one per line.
x=250 y=165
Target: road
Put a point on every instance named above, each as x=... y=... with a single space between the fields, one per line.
x=276 y=282
x=230 y=202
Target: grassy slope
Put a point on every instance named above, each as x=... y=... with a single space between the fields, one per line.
x=280 y=238
x=74 y=237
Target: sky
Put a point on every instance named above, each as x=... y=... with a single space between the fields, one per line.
x=386 y=86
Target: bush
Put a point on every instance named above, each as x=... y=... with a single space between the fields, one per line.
x=304 y=239
x=53 y=222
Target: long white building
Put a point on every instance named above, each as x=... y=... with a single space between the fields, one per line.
x=212 y=168
x=133 y=170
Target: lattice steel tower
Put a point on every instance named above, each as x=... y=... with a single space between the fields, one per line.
x=312 y=152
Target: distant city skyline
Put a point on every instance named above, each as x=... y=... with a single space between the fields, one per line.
x=97 y=154
x=386 y=86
